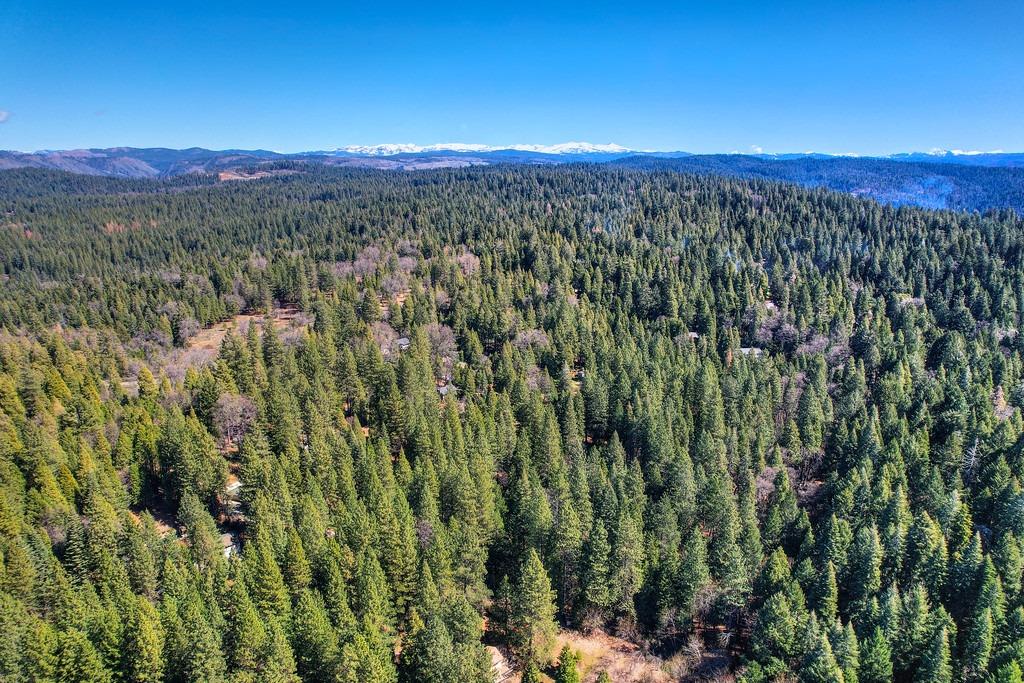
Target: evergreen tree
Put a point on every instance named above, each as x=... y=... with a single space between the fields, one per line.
x=568 y=667
x=819 y=665
x=935 y=663
x=1009 y=673
x=145 y=645
x=315 y=640
x=827 y=594
x=978 y=648
x=847 y=651
x=775 y=632
x=40 y=654
x=531 y=674
x=597 y=598
x=532 y=626
x=78 y=661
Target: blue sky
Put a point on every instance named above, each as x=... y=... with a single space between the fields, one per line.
x=855 y=76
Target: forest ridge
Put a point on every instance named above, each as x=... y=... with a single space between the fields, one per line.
x=765 y=432
x=951 y=180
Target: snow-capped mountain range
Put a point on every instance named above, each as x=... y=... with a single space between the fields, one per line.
x=391 y=149
x=584 y=148
x=162 y=162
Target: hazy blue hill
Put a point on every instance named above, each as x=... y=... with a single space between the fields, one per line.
x=931 y=185
x=962 y=159
x=47 y=182
x=949 y=181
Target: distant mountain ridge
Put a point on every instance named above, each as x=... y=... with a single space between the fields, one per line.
x=472 y=148
x=937 y=179
x=154 y=162
x=162 y=162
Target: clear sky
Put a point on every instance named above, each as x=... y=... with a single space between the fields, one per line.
x=834 y=76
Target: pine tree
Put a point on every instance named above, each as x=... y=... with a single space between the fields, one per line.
x=108 y=635
x=78 y=661
x=819 y=665
x=927 y=558
x=693 y=571
x=145 y=660
x=569 y=542
x=245 y=636
x=296 y=572
x=278 y=665
x=371 y=599
x=911 y=637
x=531 y=674
x=40 y=654
x=846 y=649
x=810 y=419
x=398 y=552
x=775 y=634
x=265 y=582
x=568 y=667
x=596 y=588
x=720 y=515
x=935 y=663
x=316 y=643
x=336 y=601
x=628 y=557
x=978 y=648
x=427 y=654
x=532 y=626
x=1008 y=673
x=827 y=594
x=865 y=574
x=1009 y=561
x=963 y=573
x=363 y=664
x=204 y=660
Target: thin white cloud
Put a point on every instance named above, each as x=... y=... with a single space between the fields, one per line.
x=4 y=115
x=757 y=149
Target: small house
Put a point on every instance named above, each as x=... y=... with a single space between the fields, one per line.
x=227 y=543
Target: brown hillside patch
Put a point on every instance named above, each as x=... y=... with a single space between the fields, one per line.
x=202 y=348
x=237 y=174
x=283 y=318
x=624 y=661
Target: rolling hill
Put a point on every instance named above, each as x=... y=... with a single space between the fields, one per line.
x=943 y=180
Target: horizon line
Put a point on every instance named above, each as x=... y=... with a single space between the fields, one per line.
x=565 y=148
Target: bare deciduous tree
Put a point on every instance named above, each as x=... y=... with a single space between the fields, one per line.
x=442 y=345
x=232 y=416
x=187 y=328
x=469 y=263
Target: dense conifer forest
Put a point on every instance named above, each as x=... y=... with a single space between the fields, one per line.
x=764 y=432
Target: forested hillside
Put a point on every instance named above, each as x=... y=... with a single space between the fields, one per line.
x=912 y=180
x=965 y=182
x=765 y=432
